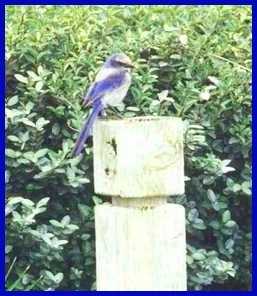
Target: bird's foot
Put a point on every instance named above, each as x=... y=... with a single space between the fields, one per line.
x=112 y=113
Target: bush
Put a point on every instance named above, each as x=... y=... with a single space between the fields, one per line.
x=193 y=62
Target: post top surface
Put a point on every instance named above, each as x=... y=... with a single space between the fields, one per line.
x=139 y=119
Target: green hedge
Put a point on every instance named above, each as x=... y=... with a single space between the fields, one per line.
x=191 y=61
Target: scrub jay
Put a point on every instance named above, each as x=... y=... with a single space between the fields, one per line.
x=109 y=89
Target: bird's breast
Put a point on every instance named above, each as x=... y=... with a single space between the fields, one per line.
x=116 y=96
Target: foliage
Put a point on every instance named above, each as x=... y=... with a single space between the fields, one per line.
x=193 y=62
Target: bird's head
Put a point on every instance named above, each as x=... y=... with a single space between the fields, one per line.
x=120 y=60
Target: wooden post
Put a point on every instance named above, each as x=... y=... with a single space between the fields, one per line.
x=140 y=238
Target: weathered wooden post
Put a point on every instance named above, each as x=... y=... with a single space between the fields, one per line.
x=140 y=238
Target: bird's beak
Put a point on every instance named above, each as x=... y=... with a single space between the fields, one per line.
x=130 y=65
x=126 y=63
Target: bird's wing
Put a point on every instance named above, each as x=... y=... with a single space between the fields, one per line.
x=99 y=88
x=101 y=75
x=87 y=100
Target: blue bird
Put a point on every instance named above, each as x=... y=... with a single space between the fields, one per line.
x=109 y=89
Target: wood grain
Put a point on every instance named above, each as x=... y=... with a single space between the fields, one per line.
x=139 y=157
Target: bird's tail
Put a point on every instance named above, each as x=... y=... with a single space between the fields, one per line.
x=84 y=134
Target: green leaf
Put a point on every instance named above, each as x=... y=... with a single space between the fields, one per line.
x=226 y=216
x=216 y=206
x=198 y=256
x=13 y=101
x=8 y=249
x=85 y=236
x=230 y=224
x=246 y=187
x=39 y=86
x=28 y=122
x=133 y=109
x=24 y=136
x=58 y=277
x=229 y=243
x=11 y=153
x=189 y=260
x=192 y=214
x=199 y=224
x=14 y=139
x=56 y=129
x=211 y=196
x=65 y=220
x=42 y=174
x=72 y=227
x=40 y=70
x=15 y=200
x=21 y=78
x=41 y=153
x=41 y=122
x=56 y=223
x=33 y=76
x=84 y=210
x=208 y=180
x=43 y=202
x=13 y=113
x=83 y=180
x=215 y=224
x=30 y=156
x=97 y=200
x=236 y=187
